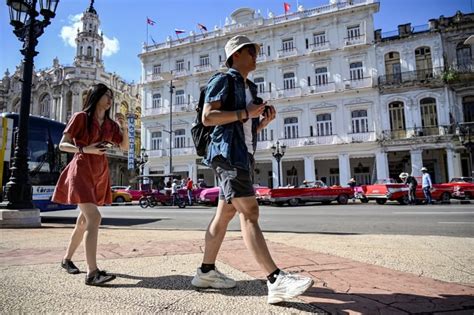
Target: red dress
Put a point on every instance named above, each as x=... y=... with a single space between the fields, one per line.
x=86 y=178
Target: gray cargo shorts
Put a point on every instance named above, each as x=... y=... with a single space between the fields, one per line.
x=233 y=182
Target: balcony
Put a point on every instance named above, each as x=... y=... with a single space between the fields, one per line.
x=460 y=74
x=157 y=153
x=322 y=88
x=354 y=40
x=289 y=52
x=184 y=151
x=155 y=77
x=417 y=132
x=180 y=73
x=362 y=137
x=177 y=108
x=318 y=47
x=358 y=83
x=285 y=93
x=262 y=58
x=431 y=77
x=203 y=68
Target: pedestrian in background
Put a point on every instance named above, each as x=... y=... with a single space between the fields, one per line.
x=352 y=184
x=426 y=185
x=412 y=183
x=85 y=180
x=189 y=187
x=230 y=154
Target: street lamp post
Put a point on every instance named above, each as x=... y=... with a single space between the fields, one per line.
x=278 y=152
x=169 y=76
x=465 y=133
x=28 y=29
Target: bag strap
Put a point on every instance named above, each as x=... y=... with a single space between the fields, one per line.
x=229 y=102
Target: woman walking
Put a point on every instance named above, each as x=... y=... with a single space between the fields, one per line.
x=85 y=180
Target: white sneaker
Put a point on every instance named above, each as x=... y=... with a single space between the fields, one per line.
x=287 y=286
x=214 y=279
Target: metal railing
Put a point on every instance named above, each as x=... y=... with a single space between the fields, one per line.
x=422 y=75
x=319 y=46
x=290 y=52
x=358 y=83
x=413 y=132
x=354 y=40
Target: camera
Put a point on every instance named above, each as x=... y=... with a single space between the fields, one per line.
x=105 y=144
x=259 y=101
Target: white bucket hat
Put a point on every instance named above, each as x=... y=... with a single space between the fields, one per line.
x=235 y=43
x=424 y=169
x=403 y=175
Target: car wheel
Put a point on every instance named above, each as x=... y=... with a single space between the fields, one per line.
x=143 y=202
x=381 y=201
x=342 y=199
x=364 y=200
x=181 y=204
x=119 y=199
x=403 y=201
x=293 y=202
x=445 y=197
x=326 y=202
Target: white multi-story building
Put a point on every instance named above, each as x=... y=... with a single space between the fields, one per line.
x=59 y=91
x=351 y=102
x=316 y=66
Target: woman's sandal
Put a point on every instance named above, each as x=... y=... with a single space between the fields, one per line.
x=70 y=267
x=99 y=277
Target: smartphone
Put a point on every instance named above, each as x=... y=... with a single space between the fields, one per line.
x=105 y=144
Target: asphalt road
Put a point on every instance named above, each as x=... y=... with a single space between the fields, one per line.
x=441 y=220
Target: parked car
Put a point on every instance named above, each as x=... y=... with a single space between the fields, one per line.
x=389 y=190
x=209 y=196
x=121 y=196
x=135 y=193
x=463 y=187
x=316 y=191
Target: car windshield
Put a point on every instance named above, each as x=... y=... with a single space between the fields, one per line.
x=461 y=180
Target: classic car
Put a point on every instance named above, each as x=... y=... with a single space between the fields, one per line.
x=135 y=193
x=210 y=196
x=121 y=196
x=390 y=190
x=463 y=187
x=316 y=191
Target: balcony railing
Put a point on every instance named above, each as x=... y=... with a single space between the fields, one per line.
x=155 y=77
x=422 y=76
x=358 y=83
x=261 y=58
x=180 y=73
x=415 y=132
x=354 y=40
x=315 y=47
x=362 y=137
x=157 y=153
x=289 y=92
x=184 y=151
x=188 y=107
x=289 y=52
x=203 y=68
x=322 y=88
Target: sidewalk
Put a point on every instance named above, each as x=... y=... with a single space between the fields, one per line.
x=154 y=269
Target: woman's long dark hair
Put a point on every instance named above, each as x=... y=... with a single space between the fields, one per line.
x=93 y=96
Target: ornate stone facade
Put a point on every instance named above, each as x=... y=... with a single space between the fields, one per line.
x=58 y=91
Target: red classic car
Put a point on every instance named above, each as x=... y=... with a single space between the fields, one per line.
x=309 y=192
x=389 y=190
x=210 y=196
x=463 y=187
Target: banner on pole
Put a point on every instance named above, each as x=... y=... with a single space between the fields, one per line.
x=131 y=139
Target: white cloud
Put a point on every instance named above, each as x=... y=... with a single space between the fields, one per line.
x=69 y=33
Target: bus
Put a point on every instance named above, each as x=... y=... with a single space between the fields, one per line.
x=45 y=160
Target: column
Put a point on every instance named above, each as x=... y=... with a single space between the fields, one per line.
x=275 y=173
x=192 y=172
x=453 y=160
x=309 y=168
x=381 y=163
x=344 y=169
x=416 y=162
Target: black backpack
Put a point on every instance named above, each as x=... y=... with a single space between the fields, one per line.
x=202 y=134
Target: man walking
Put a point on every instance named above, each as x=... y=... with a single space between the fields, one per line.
x=426 y=185
x=412 y=184
x=230 y=154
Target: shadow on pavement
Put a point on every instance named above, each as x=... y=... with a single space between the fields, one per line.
x=369 y=303
x=105 y=221
x=254 y=287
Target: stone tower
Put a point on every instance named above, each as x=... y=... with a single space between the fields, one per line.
x=90 y=43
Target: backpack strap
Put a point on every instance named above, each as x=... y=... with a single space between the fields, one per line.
x=229 y=102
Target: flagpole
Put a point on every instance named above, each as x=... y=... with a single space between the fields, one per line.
x=147 y=33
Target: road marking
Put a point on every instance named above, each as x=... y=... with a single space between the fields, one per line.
x=455 y=222
x=433 y=212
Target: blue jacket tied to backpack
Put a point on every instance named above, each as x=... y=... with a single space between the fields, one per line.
x=229 y=140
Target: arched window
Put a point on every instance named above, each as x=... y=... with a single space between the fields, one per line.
x=179 y=138
x=397 y=120
x=323 y=125
x=156 y=140
x=360 y=122
x=429 y=116
x=464 y=57
x=468 y=108
x=289 y=81
x=291 y=127
x=45 y=105
x=89 y=51
x=97 y=54
x=156 y=101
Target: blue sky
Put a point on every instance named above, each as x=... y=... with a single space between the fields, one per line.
x=124 y=25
